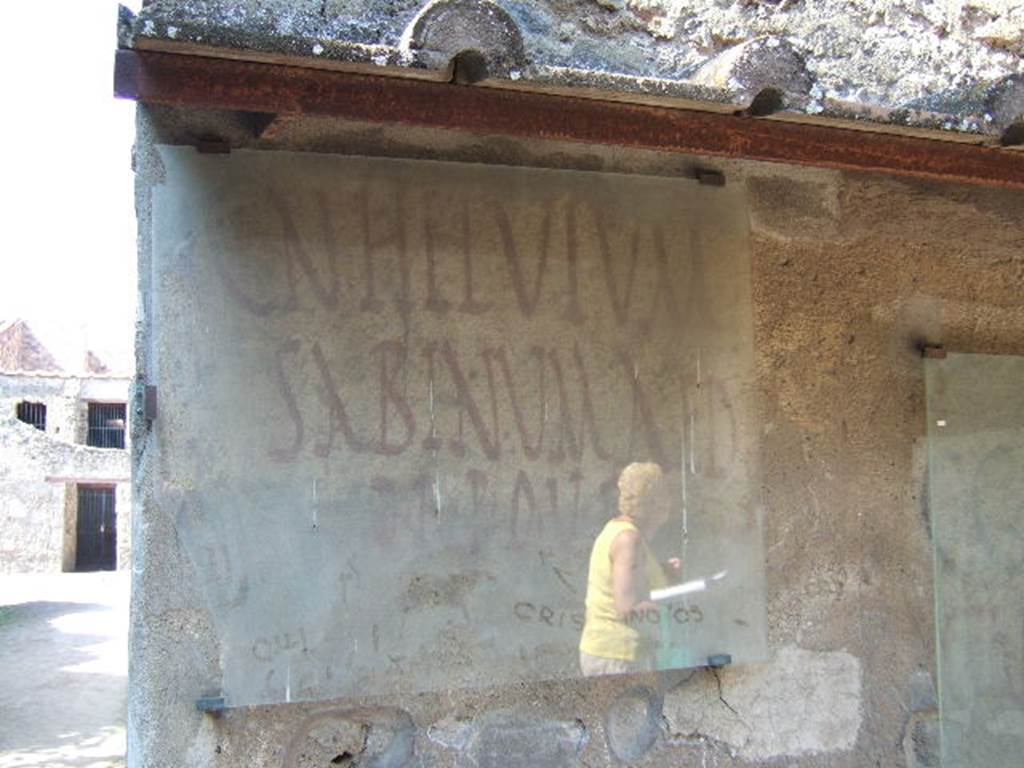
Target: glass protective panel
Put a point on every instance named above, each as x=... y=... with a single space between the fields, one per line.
x=976 y=469
x=396 y=398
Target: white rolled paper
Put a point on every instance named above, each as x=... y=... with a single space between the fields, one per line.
x=686 y=588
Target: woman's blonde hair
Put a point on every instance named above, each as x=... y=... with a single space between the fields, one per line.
x=638 y=484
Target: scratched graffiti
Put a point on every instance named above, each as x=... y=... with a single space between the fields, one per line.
x=396 y=397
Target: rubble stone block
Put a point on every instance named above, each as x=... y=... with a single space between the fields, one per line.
x=749 y=68
x=529 y=743
x=379 y=738
x=1005 y=104
x=634 y=721
x=445 y=29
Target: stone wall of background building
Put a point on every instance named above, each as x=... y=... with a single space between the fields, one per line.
x=39 y=471
x=851 y=275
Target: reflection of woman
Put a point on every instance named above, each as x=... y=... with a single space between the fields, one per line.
x=617 y=635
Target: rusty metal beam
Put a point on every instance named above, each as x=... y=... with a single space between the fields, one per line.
x=166 y=78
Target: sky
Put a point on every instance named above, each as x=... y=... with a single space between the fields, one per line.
x=67 y=256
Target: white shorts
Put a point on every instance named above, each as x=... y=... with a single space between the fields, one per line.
x=593 y=666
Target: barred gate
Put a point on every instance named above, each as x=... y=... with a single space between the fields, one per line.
x=96 y=548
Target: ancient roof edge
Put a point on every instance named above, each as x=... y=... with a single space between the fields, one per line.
x=65 y=376
x=481 y=42
x=18 y=342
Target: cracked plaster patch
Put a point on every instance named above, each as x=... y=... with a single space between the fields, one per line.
x=801 y=702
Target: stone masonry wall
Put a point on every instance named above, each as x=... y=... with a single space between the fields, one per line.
x=852 y=274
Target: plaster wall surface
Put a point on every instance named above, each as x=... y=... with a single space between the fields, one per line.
x=39 y=470
x=851 y=274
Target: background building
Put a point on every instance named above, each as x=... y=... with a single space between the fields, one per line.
x=65 y=496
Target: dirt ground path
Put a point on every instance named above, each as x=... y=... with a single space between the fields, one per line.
x=63 y=670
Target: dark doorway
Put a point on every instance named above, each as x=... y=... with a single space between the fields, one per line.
x=96 y=548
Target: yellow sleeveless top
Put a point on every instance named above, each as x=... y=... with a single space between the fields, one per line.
x=604 y=634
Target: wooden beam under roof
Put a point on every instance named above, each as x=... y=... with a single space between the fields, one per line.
x=208 y=82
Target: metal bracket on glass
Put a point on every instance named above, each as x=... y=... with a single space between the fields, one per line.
x=710 y=178
x=144 y=399
x=719 y=660
x=149 y=402
x=212 y=705
x=212 y=145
